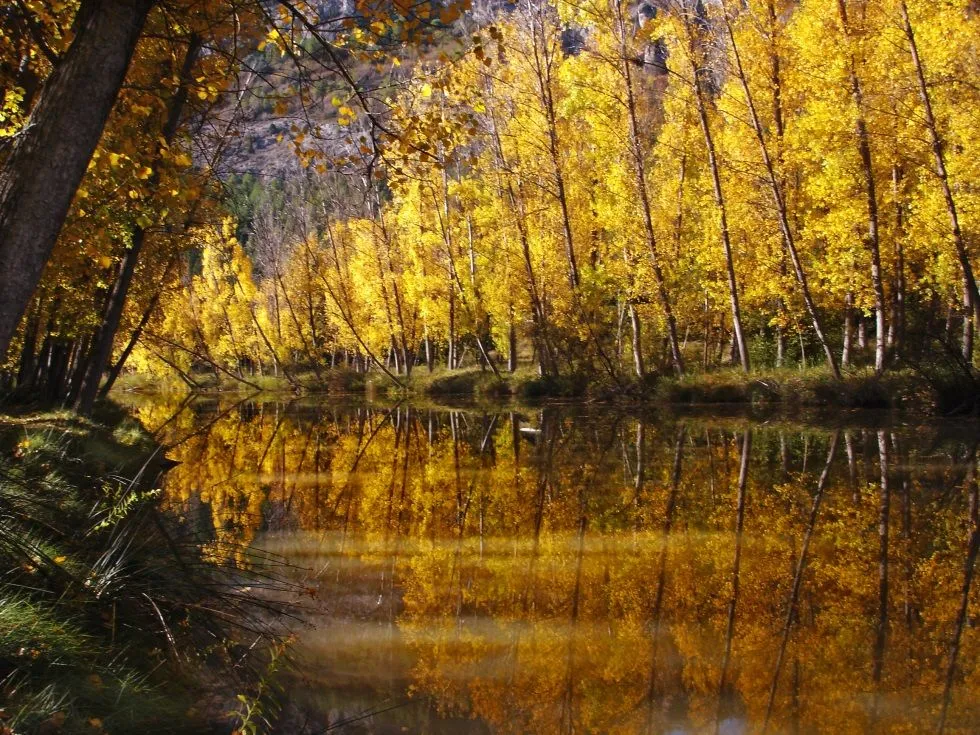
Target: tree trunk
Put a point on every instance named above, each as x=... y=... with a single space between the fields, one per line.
x=548 y=363
x=28 y=352
x=709 y=144
x=543 y=65
x=49 y=157
x=637 y=343
x=896 y=324
x=871 y=195
x=106 y=335
x=939 y=158
x=968 y=325
x=134 y=338
x=451 y=358
x=779 y=198
x=639 y=169
x=780 y=344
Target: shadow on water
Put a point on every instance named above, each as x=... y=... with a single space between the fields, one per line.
x=571 y=569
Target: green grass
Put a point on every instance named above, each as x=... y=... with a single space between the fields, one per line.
x=473 y=382
x=933 y=388
x=814 y=387
x=105 y=601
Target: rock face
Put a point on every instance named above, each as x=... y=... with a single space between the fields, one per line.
x=262 y=143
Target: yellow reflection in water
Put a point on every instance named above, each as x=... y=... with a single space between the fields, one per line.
x=574 y=571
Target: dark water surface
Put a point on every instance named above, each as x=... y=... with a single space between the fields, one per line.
x=575 y=569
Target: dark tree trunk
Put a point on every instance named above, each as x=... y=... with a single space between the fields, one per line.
x=28 y=352
x=39 y=179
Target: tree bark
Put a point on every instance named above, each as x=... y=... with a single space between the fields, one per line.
x=637 y=341
x=133 y=339
x=511 y=344
x=50 y=156
x=543 y=60
x=896 y=324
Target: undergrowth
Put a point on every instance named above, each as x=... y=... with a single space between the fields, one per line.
x=115 y=617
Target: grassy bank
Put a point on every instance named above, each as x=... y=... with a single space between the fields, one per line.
x=921 y=390
x=470 y=382
x=924 y=389
x=935 y=393
x=113 y=616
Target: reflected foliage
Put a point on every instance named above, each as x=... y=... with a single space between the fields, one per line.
x=564 y=569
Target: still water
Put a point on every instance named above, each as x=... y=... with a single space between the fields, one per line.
x=577 y=569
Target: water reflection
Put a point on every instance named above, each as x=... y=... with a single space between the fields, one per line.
x=573 y=570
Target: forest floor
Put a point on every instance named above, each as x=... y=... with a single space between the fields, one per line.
x=98 y=585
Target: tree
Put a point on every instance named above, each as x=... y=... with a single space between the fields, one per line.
x=48 y=159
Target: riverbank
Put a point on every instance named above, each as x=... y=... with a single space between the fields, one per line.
x=114 y=615
x=932 y=391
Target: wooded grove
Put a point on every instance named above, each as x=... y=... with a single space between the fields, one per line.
x=601 y=188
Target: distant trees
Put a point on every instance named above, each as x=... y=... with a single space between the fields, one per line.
x=708 y=184
x=786 y=171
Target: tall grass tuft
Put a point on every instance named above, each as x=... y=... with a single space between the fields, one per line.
x=112 y=614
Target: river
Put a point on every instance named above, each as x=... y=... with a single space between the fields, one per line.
x=576 y=568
